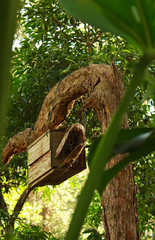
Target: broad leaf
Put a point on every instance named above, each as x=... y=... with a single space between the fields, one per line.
x=131 y=140
x=128 y=140
x=7 y=27
x=145 y=144
x=132 y=19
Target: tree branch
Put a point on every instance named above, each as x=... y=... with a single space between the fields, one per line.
x=3 y=207
x=96 y=38
x=96 y=80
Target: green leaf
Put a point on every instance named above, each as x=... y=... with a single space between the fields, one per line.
x=7 y=26
x=137 y=142
x=130 y=19
x=88 y=230
x=145 y=144
x=92 y=150
x=130 y=139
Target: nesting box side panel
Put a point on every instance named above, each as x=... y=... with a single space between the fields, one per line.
x=38 y=148
x=56 y=137
x=81 y=161
x=40 y=167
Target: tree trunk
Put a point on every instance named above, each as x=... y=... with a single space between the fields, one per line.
x=104 y=86
x=120 y=206
x=119 y=200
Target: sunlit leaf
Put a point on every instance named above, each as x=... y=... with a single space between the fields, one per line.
x=130 y=19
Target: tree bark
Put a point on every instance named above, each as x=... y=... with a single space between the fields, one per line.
x=105 y=87
x=70 y=89
x=119 y=200
x=120 y=205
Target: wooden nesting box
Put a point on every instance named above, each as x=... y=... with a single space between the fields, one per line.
x=54 y=157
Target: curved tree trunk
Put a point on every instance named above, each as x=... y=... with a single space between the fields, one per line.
x=105 y=87
x=119 y=200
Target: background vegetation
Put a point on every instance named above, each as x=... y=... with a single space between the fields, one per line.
x=52 y=45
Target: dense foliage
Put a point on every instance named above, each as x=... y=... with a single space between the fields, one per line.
x=52 y=45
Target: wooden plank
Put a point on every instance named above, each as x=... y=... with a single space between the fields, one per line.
x=44 y=167
x=56 y=138
x=59 y=175
x=40 y=167
x=38 y=139
x=39 y=148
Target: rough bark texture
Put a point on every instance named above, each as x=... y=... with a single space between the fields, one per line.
x=120 y=206
x=77 y=84
x=119 y=198
x=105 y=87
x=119 y=203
